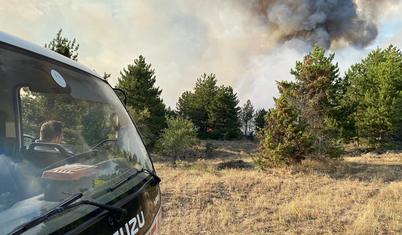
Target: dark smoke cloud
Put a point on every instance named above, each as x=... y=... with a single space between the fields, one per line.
x=319 y=21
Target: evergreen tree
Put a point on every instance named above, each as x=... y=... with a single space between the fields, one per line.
x=317 y=87
x=223 y=114
x=195 y=104
x=170 y=112
x=212 y=109
x=138 y=82
x=376 y=93
x=140 y=119
x=284 y=140
x=246 y=116
x=106 y=76
x=259 y=118
x=316 y=96
x=64 y=46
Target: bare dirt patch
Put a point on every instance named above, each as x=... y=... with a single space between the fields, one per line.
x=234 y=164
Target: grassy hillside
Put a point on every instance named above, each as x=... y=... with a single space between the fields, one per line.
x=226 y=194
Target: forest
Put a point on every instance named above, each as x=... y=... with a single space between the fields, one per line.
x=316 y=115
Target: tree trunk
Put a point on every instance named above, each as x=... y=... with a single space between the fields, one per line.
x=245 y=129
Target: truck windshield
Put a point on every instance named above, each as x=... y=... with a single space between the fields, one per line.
x=62 y=132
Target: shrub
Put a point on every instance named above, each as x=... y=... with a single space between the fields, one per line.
x=178 y=136
x=209 y=149
x=258 y=161
x=199 y=165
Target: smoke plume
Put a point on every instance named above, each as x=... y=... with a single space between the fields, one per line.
x=248 y=44
x=319 y=21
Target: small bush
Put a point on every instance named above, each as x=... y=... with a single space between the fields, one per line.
x=258 y=161
x=210 y=169
x=178 y=136
x=209 y=149
x=181 y=164
x=199 y=165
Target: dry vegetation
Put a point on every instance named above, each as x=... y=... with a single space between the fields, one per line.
x=359 y=195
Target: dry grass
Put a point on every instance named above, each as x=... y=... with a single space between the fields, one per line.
x=360 y=195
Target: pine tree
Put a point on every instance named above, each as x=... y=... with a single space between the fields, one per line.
x=246 y=115
x=284 y=140
x=317 y=87
x=259 y=118
x=64 y=46
x=212 y=109
x=140 y=118
x=223 y=114
x=195 y=104
x=376 y=90
x=317 y=95
x=138 y=82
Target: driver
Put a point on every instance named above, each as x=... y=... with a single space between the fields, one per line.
x=52 y=132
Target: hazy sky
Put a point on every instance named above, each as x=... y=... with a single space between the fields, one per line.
x=248 y=44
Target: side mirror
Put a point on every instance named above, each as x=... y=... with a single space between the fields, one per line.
x=114 y=120
x=117 y=121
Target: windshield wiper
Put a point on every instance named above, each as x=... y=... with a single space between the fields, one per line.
x=62 y=207
x=156 y=180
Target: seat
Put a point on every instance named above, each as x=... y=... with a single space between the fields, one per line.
x=42 y=155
